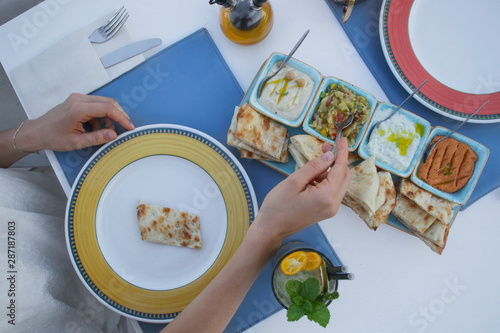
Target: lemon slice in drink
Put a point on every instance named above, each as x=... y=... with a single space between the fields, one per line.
x=293 y=263
x=313 y=261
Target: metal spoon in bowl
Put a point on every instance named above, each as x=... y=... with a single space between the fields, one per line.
x=263 y=83
x=428 y=150
x=393 y=112
x=340 y=126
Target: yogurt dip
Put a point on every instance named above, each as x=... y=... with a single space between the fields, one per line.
x=395 y=141
x=287 y=93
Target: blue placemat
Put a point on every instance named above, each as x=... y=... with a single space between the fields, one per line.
x=362 y=29
x=190 y=84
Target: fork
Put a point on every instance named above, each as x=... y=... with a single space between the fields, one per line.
x=108 y=30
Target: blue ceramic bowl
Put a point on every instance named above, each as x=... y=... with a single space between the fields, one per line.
x=462 y=195
x=363 y=148
x=317 y=99
x=275 y=57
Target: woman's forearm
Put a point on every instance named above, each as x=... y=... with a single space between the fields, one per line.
x=212 y=310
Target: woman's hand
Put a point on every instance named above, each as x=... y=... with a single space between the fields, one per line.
x=296 y=203
x=61 y=128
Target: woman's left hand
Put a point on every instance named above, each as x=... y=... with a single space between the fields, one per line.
x=61 y=129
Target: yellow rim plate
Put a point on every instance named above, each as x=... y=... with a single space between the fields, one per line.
x=108 y=286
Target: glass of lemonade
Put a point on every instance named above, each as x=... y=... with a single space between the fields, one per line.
x=279 y=279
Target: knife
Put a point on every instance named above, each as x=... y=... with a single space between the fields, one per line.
x=129 y=51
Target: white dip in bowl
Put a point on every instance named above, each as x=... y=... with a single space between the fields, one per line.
x=395 y=141
x=284 y=96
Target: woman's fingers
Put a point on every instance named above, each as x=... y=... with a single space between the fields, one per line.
x=338 y=169
x=311 y=170
x=87 y=111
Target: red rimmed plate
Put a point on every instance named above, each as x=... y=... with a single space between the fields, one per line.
x=450 y=46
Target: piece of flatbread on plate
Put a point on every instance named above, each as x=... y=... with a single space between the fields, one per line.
x=168 y=226
x=364 y=185
x=440 y=208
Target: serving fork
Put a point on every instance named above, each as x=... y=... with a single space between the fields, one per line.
x=110 y=28
x=263 y=83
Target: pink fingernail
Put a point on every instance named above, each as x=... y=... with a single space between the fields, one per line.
x=110 y=135
x=328 y=156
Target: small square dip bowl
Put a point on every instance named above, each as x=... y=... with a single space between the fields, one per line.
x=462 y=195
x=313 y=74
x=425 y=128
x=327 y=81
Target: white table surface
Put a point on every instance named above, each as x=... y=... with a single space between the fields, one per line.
x=401 y=285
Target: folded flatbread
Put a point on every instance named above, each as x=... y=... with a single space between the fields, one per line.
x=256 y=156
x=168 y=226
x=411 y=215
x=261 y=132
x=437 y=233
x=435 y=237
x=364 y=185
x=440 y=208
x=232 y=140
x=423 y=213
x=307 y=145
x=258 y=134
x=299 y=159
x=386 y=195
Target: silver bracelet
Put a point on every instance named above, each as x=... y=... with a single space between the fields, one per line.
x=14 y=140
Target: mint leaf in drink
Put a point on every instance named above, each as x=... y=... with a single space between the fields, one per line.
x=294 y=313
x=320 y=314
x=307 y=300
x=331 y=296
x=293 y=288
x=310 y=289
x=297 y=300
x=307 y=306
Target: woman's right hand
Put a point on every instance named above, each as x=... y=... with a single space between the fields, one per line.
x=298 y=202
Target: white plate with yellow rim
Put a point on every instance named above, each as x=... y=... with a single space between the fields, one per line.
x=168 y=165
